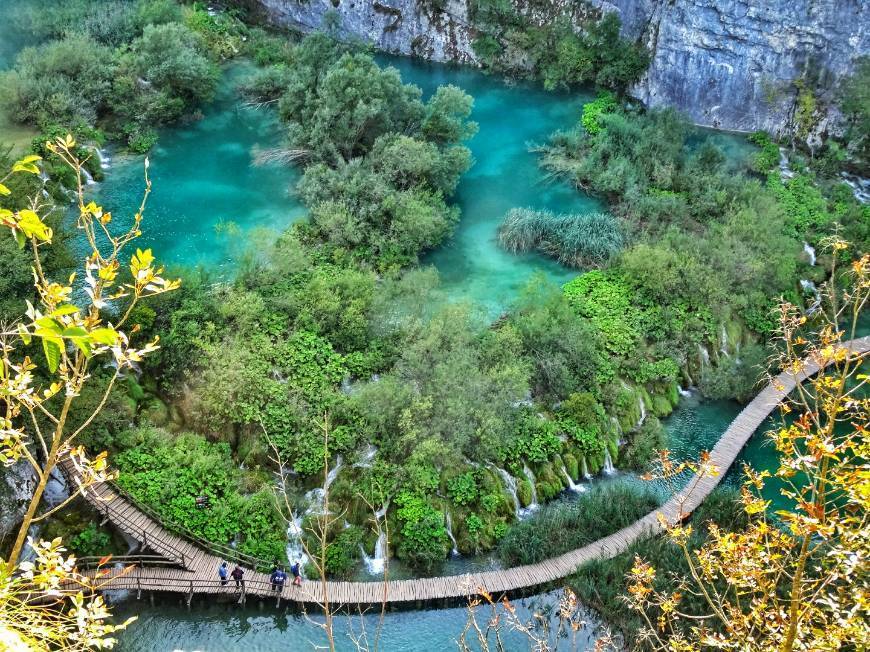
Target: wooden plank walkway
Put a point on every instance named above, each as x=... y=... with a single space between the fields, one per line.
x=197 y=568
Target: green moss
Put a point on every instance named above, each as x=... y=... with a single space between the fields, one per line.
x=572 y=466
x=524 y=492
x=661 y=406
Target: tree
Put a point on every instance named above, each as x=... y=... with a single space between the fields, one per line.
x=797 y=583
x=36 y=399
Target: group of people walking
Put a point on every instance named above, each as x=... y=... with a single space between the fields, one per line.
x=276 y=579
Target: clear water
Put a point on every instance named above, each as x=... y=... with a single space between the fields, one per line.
x=208 y=199
x=511 y=117
x=261 y=627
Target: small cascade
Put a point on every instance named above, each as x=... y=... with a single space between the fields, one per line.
x=683 y=392
x=510 y=484
x=105 y=159
x=367 y=457
x=295 y=550
x=705 y=356
x=809 y=287
x=88 y=177
x=572 y=486
x=448 y=523
x=585 y=469
x=642 y=418
x=346 y=386
x=859 y=185
x=531 y=478
x=723 y=342
x=785 y=171
x=810 y=252
x=333 y=472
x=375 y=565
x=608 y=468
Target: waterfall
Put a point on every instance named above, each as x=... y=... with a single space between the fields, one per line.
x=585 y=470
x=105 y=159
x=705 y=356
x=809 y=287
x=723 y=348
x=510 y=484
x=531 y=478
x=368 y=457
x=572 y=486
x=295 y=550
x=448 y=522
x=811 y=253
x=860 y=186
x=642 y=418
x=89 y=179
x=785 y=171
x=375 y=565
x=333 y=472
x=56 y=490
x=683 y=392
x=346 y=386
x=608 y=463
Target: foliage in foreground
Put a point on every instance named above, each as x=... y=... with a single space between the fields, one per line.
x=798 y=583
x=42 y=603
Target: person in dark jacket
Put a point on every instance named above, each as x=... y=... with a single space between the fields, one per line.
x=296 y=569
x=277 y=578
x=239 y=576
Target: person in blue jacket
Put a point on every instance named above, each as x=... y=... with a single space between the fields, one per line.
x=278 y=577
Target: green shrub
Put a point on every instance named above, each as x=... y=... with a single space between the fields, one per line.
x=566 y=525
x=592 y=111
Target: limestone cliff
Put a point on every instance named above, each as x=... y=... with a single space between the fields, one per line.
x=731 y=64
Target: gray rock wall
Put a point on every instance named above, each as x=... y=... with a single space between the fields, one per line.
x=730 y=64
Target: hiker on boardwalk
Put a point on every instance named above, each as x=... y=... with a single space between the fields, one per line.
x=296 y=569
x=278 y=577
x=239 y=576
x=223 y=573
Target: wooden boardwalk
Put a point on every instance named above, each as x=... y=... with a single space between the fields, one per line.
x=196 y=570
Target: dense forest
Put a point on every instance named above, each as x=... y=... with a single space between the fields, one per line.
x=331 y=341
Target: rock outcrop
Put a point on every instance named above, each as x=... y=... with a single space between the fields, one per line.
x=731 y=64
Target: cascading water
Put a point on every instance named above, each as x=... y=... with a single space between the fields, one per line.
x=375 y=565
x=88 y=177
x=642 y=407
x=683 y=392
x=723 y=342
x=510 y=484
x=705 y=356
x=367 y=457
x=295 y=549
x=448 y=523
x=809 y=287
x=859 y=185
x=572 y=486
x=785 y=171
x=532 y=506
x=608 y=468
x=810 y=252
x=585 y=469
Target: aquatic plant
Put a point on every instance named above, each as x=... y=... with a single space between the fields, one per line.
x=577 y=240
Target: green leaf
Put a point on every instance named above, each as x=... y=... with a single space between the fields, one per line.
x=4 y=190
x=24 y=334
x=107 y=336
x=52 y=348
x=67 y=309
x=20 y=238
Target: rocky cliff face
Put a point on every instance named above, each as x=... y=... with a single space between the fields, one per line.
x=731 y=64
x=412 y=27
x=734 y=64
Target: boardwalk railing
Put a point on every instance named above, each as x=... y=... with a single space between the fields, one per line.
x=202 y=564
x=222 y=550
